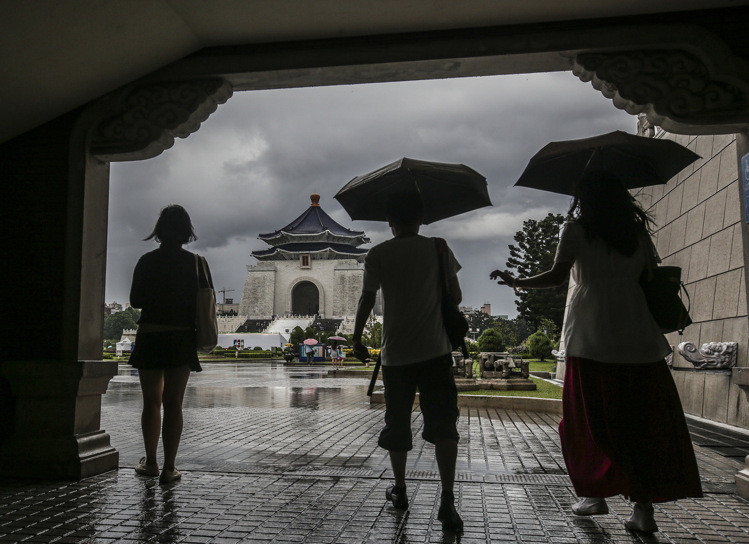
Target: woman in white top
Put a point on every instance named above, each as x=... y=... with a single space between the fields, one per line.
x=623 y=429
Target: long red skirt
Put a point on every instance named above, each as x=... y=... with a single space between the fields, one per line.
x=623 y=432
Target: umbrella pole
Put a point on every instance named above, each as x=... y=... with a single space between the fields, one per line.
x=590 y=159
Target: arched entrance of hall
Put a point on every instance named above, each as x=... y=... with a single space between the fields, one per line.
x=305 y=298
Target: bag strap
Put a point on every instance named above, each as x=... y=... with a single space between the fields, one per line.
x=201 y=265
x=441 y=245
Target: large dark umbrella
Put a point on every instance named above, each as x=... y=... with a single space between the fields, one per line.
x=638 y=161
x=445 y=189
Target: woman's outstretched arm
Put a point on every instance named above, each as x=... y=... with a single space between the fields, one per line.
x=545 y=280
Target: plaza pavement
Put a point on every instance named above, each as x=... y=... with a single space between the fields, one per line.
x=277 y=454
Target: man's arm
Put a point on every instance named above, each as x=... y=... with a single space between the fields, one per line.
x=366 y=303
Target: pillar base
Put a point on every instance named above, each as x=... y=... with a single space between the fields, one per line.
x=742 y=481
x=56 y=431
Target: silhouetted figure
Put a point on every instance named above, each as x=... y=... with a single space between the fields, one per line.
x=333 y=350
x=623 y=429
x=416 y=352
x=165 y=285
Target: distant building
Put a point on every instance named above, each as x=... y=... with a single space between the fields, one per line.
x=314 y=267
x=113 y=307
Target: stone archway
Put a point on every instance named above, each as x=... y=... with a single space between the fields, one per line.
x=59 y=174
x=305 y=299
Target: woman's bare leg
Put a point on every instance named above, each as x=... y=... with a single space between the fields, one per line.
x=175 y=383
x=152 y=386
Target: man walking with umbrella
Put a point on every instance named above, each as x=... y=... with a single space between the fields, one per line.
x=415 y=347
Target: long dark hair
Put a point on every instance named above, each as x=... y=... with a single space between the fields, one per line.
x=605 y=209
x=173 y=226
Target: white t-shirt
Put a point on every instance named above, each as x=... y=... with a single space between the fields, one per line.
x=608 y=318
x=407 y=271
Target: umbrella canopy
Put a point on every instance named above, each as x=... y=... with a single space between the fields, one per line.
x=638 y=161
x=310 y=342
x=338 y=338
x=445 y=189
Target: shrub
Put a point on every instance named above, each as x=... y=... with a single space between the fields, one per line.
x=491 y=340
x=540 y=346
x=257 y=348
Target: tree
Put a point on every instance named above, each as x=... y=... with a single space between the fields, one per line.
x=478 y=322
x=373 y=336
x=539 y=346
x=533 y=254
x=115 y=323
x=297 y=336
x=548 y=327
x=309 y=332
x=514 y=331
x=491 y=340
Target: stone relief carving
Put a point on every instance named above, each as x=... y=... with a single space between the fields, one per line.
x=712 y=355
x=672 y=87
x=146 y=119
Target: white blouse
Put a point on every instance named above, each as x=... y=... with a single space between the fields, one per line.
x=608 y=318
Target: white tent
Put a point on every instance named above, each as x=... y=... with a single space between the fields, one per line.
x=249 y=340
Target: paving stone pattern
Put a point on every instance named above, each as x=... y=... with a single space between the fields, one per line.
x=273 y=454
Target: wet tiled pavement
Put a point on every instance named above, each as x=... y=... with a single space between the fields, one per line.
x=275 y=454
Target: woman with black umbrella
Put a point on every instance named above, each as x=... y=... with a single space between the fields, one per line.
x=623 y=429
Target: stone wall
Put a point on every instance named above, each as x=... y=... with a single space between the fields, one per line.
x=230 y=323
x=257 y=296
x=268 y=287
x=348 y=279
x=698 y=216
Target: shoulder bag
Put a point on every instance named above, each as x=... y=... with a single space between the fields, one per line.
x=206 y=323
x=662 y=286
x=456 y=324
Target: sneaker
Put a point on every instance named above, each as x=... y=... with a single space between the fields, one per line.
x=398 y=496
x=146 y=470
x=642 y=519
x=590 y=506
x=169 y=476
x=448 y=515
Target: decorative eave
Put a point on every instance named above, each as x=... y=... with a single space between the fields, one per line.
x=284 y=237
x=292 y=252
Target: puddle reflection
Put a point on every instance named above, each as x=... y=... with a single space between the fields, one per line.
x=254 y=385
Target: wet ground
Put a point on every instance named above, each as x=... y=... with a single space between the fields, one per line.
x=284 y=454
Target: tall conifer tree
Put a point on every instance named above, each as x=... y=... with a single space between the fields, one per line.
x=533 y=253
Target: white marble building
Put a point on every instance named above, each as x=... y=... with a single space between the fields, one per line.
x=313 y=267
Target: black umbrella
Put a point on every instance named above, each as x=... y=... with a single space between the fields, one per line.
x=445 y=189
x=638 y=161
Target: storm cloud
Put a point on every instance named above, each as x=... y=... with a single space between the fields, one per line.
x=253 y=164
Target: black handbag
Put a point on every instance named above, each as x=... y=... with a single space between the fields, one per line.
x=456 y=324
x=662 y=286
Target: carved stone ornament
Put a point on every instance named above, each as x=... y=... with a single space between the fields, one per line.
x=712 y=355
x=146 y=119
x=673 y=88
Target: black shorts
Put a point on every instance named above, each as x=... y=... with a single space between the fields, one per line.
x=165 y=349
x=438 y=399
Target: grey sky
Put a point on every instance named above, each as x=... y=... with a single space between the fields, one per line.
x=253 y=164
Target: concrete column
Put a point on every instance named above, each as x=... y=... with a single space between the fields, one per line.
x=57 y=419
x=741 y=375
x=54 y=256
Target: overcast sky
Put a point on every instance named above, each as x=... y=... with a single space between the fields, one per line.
x=253 y=164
